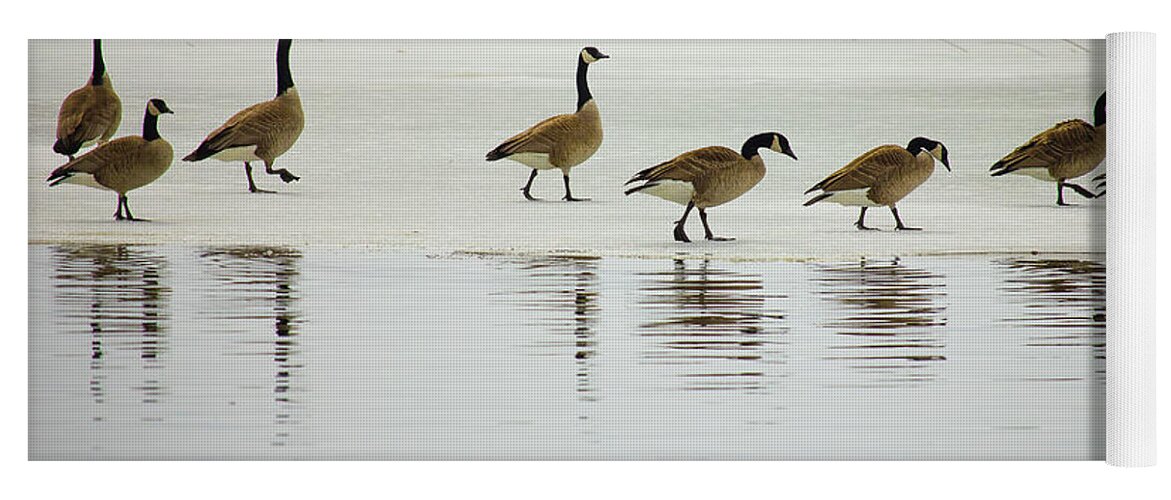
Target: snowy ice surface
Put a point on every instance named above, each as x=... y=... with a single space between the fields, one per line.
x=396 y=132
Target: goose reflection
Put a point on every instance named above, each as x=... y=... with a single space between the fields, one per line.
x=1063 y=304
x=888 y=320
x=561 y=294
x=259 y=284
x=716 y=329
x=117 y=293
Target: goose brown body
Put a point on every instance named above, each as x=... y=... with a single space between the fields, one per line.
x=1068 y=150
x=716 y=174
x=885 y=174
x=90 y=114
x=123 y=164
x=708 y=177
x=882 y=177
x=562 y=141
x=260 y=132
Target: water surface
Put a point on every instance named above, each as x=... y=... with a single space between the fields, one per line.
x=318 y=352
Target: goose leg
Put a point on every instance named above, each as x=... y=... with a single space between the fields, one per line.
x=118 y=215
x=529 y=186
x=285 y=174
x=126 y=204
x=1061 y=193
x=899 y=222
x=568 y=195
x=861 y=224
x=707 y=230
x=252 y=185
x=1081 y=190
x=680 y=234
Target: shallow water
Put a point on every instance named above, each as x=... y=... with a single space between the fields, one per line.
x=320 y=352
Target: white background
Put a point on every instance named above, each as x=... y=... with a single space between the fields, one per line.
x=498 y=19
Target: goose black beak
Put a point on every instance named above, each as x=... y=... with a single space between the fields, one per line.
x=603 y=56
x=791 y=154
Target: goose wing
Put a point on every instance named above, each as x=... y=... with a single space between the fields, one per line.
x=692 y=166
x=250 y=127
x=82 y=119
x=117 y=153
x=866 y=170
x=72 y=113
x=1048 y=148
x=540 y=138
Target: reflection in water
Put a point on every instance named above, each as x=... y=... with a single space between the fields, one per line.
x=561 y=295
x=714 y=326
x=1064 y=304
x=890 y=320
x=258 y=283
x=116 y=291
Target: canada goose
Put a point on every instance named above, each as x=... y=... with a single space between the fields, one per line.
x=261 y=132
x=708 y=177
x=563 y=141
x=122 y=164
x=89 y=114
x=881 y=177
x=1066 y=151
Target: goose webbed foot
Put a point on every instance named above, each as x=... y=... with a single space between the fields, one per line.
x=568 y=194
x=899 y=226
x=528 y=186
x=861 y=222
x=251 y=183
x=707 y=230
x=123 y=203
x=118 y=214
x=680 y=234
x=287 y=176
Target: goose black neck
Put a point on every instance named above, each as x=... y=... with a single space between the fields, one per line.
x=1100 y=111
x=583 y=88
x=99 y=65
x=150 y=126
x=284 y=77
x=754 y=143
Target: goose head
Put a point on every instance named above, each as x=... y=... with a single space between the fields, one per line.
x=157 y=107
x=590 y=55
x=932 y=147
x=780 y=144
